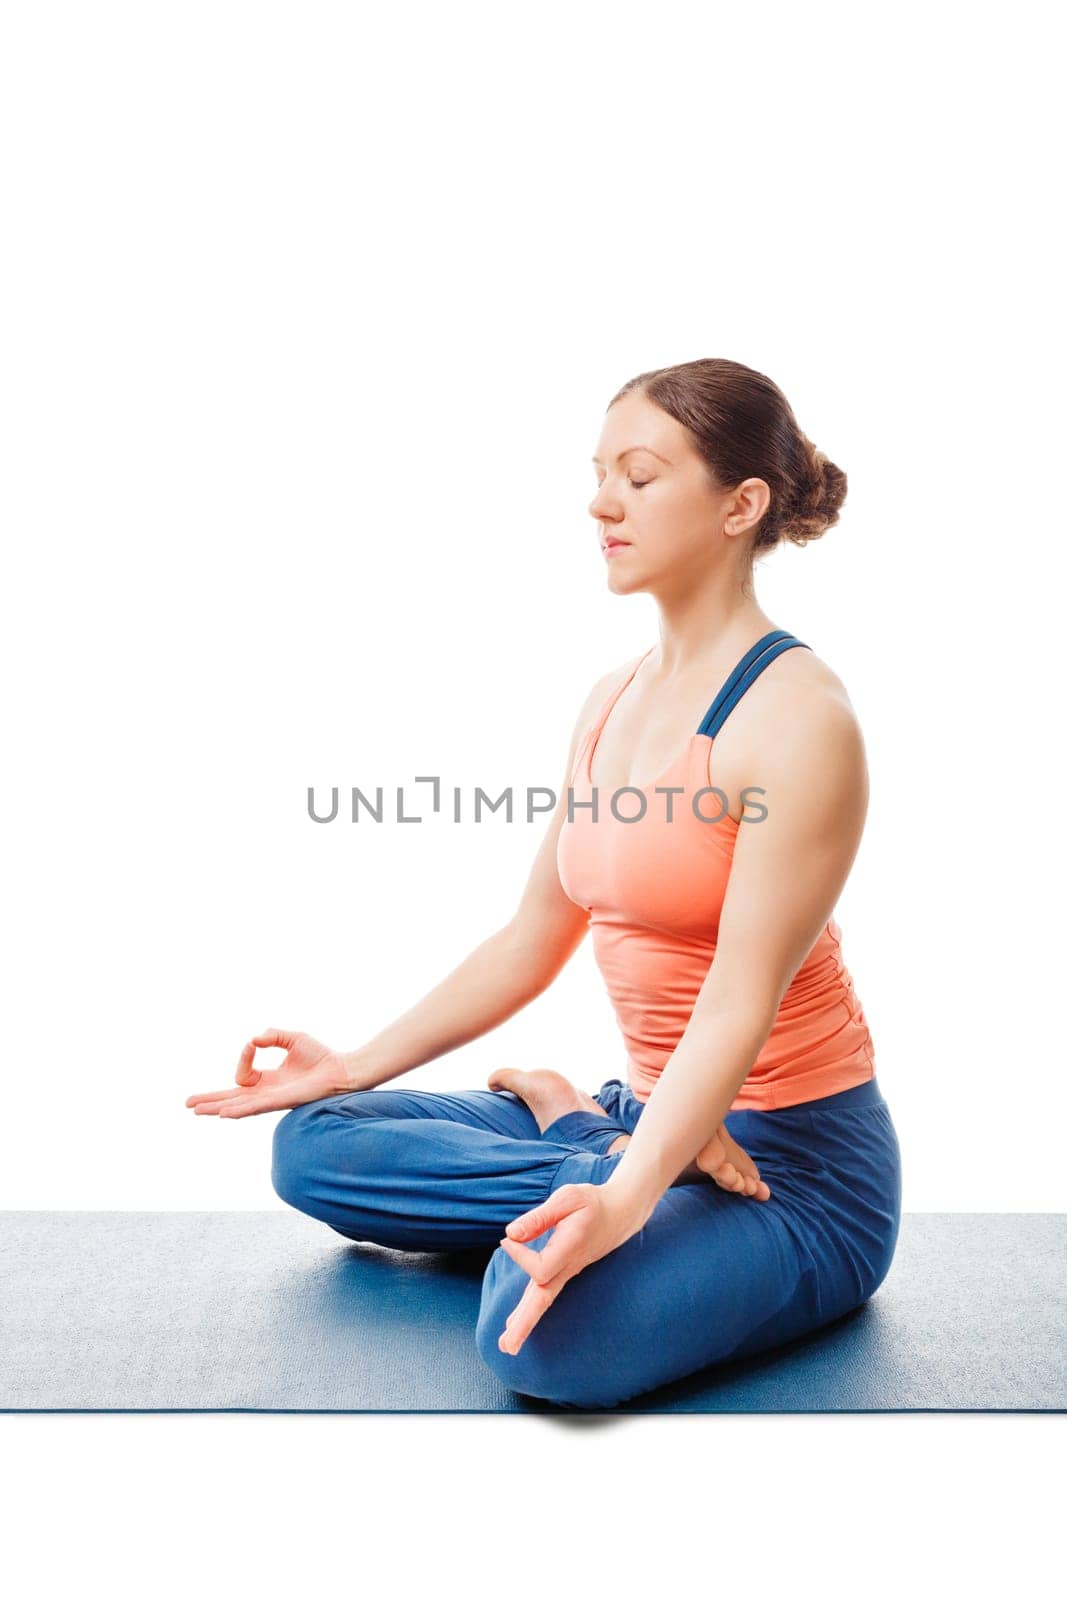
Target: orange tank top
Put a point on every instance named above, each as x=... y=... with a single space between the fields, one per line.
x=654 y=892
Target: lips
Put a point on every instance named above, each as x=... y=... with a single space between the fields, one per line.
x=614 y=544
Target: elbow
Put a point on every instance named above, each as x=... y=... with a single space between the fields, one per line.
x=745 y=1020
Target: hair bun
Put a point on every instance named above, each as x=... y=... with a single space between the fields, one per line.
x=821 y=499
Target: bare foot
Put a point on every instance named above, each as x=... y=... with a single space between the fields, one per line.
x=731 y=1167
x=548 y=1094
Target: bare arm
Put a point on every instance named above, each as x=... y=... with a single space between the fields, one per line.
x=504 y=973
x=788 y=871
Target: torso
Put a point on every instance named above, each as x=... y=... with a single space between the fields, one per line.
x=652 y=871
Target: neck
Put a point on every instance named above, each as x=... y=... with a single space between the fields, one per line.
x=698 y=625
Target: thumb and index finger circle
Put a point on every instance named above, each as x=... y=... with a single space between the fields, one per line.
x=247 y=1075
x=559 y=1204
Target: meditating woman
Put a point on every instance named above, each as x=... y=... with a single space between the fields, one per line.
x=741 y=1187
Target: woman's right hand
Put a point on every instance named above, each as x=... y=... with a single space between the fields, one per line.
x=310 y=1071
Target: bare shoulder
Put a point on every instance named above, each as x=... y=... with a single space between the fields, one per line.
x=795 y=724
x=808 y=689
x=797 y=694
x=599 y=693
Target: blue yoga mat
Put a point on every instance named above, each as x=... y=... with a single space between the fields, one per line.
x=270 y=1311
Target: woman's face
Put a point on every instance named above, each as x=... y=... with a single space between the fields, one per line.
x=659 y=501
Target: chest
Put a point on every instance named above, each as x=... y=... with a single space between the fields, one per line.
x=656 y=855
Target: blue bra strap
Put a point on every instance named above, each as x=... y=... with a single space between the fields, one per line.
x=744 y=674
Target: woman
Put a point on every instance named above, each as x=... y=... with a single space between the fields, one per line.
x=742 y=1187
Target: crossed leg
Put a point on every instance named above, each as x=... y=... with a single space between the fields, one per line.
x=418 y=1170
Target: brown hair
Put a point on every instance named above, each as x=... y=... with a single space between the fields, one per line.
x=744 y=427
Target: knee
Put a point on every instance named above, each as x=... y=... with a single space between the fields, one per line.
x=291 y=1152
x=877 y=1257
x=877 y=1275
x=558 y=1361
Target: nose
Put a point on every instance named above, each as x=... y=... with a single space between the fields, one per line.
x=599 y=507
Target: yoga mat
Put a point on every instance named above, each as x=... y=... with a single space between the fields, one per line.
x=270 y=1311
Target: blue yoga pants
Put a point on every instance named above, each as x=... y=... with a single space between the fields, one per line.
x=710 y=1277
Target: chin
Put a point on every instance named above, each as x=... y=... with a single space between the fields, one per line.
x=628 y=583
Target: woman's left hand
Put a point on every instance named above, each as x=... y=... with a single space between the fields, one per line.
x=591 y=1220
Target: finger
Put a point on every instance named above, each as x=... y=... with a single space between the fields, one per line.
x=552 y=1287
x=252 y=1105
x=563 y=1256
x=560 y=1203
x=531 y=1261
x=270 y=1037
x=219 y=1094
x=525 y=1317
x=247 y=1075
x=535 y=1301
x=215 y=1108
x=230 y=1108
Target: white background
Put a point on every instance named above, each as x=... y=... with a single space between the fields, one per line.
x=310 y=315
